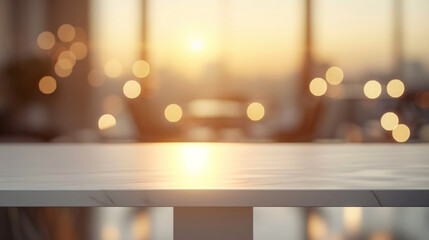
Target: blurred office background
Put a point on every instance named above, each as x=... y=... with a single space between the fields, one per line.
x=217 y=71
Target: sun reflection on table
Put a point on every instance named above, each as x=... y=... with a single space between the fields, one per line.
x=195 y=159
x=192 y=166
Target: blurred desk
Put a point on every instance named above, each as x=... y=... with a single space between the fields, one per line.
x=213 y=186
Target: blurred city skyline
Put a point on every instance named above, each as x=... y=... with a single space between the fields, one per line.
x=226 y=70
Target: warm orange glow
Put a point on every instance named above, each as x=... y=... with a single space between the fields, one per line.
x=372 y=89
x=132 y=89
x=68 y=55
x=255 y=111
x=106 y=121
x=207 y=108
x=110 y=232
x=389 y=121
x=46 y=40
x=173 y=113
x=113 y=69
x=65 y=64
x=352 y=217
x=79 y=49
x=395 y=88
x=316 y=227
x=113 y=104
x=47 y=85
x=196 y=45
x=116 y=34
x=66 y=33
x=141 y=226
x=335 y=91
x=192 y=167
x=334 y=75
x=141 y=69
x=336 y=236
x=195 y=159
x=381 y=236
x=318 y=86
x=61 y=72
x=401 y=133
x=96 y=78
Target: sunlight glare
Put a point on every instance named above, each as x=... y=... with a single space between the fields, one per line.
x=196 y=45
x=195 y=159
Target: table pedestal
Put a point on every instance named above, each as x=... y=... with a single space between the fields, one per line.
x=213 y=223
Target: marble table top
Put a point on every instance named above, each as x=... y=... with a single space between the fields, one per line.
x=214 y=174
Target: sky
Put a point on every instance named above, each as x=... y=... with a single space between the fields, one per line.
x=261 y=39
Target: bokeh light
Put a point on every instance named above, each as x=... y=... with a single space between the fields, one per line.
x=64 y=63
x=141 y=69
x=372 y=89
x=132 y=89
x=173 y=113
x=81 y=34
x=316 y=227
x=334 y=75
x=318 y=86
x=47 y=85
x=389 y=121
x=61 y=72
x=66 y=33
x=79 y=49
x=352 y=219
x=96 y=78
x=401 y=133
x=141 y=226
x=395 y=88
x=106 y=121
x=255 y=111
x=46 y=40
x=113 y=69
x=67 y=55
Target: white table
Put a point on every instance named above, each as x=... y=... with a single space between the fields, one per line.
x=213 y=187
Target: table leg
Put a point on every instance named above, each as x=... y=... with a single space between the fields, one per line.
x=213 y=223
